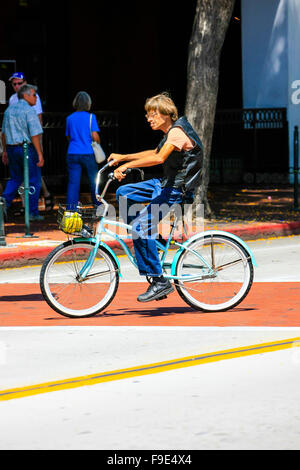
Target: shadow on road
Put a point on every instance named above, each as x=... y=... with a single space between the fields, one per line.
x=22 y=298
x=164 y=311
x=158 y=312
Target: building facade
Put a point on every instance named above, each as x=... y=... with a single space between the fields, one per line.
x=271 y=59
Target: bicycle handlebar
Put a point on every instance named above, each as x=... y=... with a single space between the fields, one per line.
x=110 y=178
x=111 y=175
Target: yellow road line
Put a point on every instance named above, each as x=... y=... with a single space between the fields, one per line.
x=147 y=369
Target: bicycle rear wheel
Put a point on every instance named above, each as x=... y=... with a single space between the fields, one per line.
x=65 y=292
x=222 y=273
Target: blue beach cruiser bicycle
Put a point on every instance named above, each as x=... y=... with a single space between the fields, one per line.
x=212 y=271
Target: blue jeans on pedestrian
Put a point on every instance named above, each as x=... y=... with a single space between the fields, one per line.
x=16 y=170
x=76 y=163
x=144 y=225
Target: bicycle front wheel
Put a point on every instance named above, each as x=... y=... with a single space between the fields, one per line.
x=216 y=273
x=62 y=287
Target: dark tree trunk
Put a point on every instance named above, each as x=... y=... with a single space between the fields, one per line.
x=208 y=34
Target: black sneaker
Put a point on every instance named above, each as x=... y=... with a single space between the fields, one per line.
x=157 y=290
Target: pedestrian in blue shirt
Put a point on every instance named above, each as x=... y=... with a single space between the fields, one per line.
x=81 y=130
x=21 y=123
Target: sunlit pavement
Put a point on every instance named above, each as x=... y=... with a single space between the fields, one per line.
x=249 y=402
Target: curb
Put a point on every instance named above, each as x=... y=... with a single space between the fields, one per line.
x=264 y=229
x=12 y=257
x=17 y=257
x=30 y=256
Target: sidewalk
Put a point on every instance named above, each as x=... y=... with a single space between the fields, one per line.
x=248 y=213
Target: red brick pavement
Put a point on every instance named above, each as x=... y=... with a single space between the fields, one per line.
x=267 y=304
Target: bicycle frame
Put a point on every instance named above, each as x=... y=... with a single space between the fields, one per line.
x=101 y=229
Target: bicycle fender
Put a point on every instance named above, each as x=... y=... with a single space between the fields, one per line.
x=211 y=232
x=108 y=249
x=113 y=255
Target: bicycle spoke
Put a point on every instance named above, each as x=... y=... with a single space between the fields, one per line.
x=227 y=273
x=101 y=274
x=63 y=288
x=212 y=253
x=227 y=265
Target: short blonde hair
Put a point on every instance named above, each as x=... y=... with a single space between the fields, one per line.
x=162 y=103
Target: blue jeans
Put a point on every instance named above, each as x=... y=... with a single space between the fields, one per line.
x=75 y=163
x=16 y=170
x=145 y=224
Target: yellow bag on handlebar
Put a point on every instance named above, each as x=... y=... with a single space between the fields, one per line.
x=71 y=222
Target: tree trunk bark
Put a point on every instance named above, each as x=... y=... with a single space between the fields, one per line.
x=207 y=38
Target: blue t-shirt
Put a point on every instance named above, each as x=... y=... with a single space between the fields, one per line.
x=78 y=129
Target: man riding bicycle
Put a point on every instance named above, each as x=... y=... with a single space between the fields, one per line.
x=180 y=152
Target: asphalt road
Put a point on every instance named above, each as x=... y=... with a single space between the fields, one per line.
x=235 y=402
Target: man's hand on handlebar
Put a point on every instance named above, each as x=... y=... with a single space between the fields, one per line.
x=119 y=173
x=114 y=158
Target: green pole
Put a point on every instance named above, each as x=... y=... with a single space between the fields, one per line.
x=27 y=189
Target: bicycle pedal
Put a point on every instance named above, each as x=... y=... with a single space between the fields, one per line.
x=161 y=298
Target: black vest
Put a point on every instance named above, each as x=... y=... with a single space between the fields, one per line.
x=183 y=169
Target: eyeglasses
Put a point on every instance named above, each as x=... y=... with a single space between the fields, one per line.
x=149 y=116
x=17 y=83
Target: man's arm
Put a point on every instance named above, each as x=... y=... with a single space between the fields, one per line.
x=40 y=116
x=36 y=131
x=36 y=140
x=118 y=157
x=4 y=152
x=151 y=159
